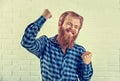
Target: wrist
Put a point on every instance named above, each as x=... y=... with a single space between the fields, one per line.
x=45 y=17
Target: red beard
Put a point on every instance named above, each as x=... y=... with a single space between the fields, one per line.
x=66 y=40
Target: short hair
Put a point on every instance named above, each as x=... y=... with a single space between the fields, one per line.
x=74 y=14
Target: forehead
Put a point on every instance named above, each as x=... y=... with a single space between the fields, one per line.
x=73 y=19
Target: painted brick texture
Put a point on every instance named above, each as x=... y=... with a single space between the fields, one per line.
x=100 y=35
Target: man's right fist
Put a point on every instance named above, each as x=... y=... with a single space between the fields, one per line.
x=46 y=14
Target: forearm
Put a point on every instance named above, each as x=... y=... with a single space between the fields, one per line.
x=85 y=72
x=31 y=32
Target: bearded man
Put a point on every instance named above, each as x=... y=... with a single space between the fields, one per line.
x=61 y=59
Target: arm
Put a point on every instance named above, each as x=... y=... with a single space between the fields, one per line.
x=85 y=70
x=29 y=40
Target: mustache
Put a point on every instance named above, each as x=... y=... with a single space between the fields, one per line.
x=70 y=30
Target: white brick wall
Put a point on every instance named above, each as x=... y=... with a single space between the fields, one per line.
x=100 y=34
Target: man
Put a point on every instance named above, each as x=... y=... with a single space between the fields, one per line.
x=61 y=59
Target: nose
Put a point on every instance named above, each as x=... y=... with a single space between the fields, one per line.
x=72 y=27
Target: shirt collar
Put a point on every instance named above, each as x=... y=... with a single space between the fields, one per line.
x=54 y=39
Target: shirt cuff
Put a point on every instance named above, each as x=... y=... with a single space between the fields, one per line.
x=88 y=66
x=41 y=20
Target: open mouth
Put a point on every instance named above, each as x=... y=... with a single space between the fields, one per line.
x=70 y=31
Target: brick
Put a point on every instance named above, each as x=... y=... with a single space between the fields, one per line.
x=35 y=67
x=6 y=62
x=35 y=73
x=16 y=67
x=11 y=78
x=20 y=62
x=21 y=73
x=1 y=68
x=6 y=73
x=107 y=74
x=25 y=68
x=105 y=79
x=32 y=78
x=0 y=77
x=107 y=68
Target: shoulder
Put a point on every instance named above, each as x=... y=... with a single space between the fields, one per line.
x=43 y=38
x=47 y=39
x=79 y=48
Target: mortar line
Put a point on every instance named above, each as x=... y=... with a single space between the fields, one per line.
x=119 y=59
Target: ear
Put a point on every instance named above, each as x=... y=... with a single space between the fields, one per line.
x=59 y=24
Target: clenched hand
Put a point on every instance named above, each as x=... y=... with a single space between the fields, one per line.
x=46 y=14
x=86 y=56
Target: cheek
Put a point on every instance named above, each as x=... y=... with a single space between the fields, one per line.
x=76 y=32
x=64 y=28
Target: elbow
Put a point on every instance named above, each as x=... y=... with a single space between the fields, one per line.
x=22 y=44
x=26 y=44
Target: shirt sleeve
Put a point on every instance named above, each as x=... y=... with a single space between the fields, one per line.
x=29 y=40
x=85 y=71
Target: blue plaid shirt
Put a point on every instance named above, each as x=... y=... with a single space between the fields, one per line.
x=55 y=65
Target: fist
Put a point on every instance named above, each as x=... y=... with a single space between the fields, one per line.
x=46 y=14
x=86 y=56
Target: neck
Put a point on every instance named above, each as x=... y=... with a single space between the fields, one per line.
x=58 y=39
x=63 y=47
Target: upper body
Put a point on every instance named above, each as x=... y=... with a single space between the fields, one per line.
x=61 y=59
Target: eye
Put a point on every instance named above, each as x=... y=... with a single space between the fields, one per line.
x=70 y=24
x=76 y=27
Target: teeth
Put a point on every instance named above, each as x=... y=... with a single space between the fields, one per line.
x=70 y=31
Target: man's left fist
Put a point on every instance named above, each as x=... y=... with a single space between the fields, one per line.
x=86 y=56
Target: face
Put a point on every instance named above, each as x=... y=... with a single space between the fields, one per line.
x=71 y=26
x=69 y=30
